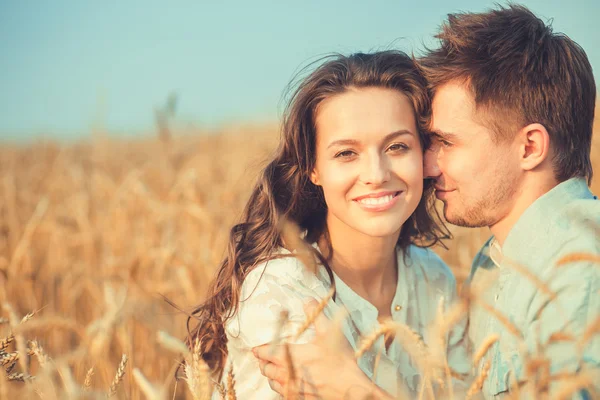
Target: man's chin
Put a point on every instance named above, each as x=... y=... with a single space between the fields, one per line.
x=461 y=220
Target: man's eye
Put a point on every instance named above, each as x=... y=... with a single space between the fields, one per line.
x=344 y=154
x=436 y=140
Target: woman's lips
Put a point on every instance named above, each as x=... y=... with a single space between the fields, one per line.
x=379 y=202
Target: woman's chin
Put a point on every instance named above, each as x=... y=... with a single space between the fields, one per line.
x=381 y=230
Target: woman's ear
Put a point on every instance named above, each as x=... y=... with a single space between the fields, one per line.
x=314 y=177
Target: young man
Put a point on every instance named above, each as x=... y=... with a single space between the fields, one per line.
x=513 y=109
x=513 y=106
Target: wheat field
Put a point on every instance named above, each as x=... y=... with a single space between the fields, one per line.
x=93 y=234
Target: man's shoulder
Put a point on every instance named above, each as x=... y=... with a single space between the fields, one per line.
x=575 y=229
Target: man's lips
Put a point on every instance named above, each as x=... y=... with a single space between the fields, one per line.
x=442 y=194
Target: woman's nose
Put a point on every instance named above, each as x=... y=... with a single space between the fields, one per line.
x=375 y=170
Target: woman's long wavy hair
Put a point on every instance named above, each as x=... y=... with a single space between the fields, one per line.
x=284 y=191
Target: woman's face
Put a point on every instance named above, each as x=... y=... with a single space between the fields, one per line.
x=369 y=160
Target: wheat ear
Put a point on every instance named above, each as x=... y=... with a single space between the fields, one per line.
x=231 y=385
x=118 y=377
x=478 y=383
x=313 y=316
x=485 y=346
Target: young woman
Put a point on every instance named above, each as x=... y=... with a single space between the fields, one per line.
x=349 y=173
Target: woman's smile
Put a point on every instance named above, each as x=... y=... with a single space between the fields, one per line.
x=377 y=202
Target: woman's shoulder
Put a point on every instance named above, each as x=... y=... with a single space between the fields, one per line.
x=285 y=269
x=429 y=264
x=279 y=284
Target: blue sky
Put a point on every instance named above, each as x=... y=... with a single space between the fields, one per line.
x=67 y=65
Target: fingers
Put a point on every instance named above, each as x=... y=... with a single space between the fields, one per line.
x=273 y=372
x=269 y=353
x=277 y=376
x=277 y=387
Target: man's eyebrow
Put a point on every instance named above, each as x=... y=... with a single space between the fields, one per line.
x=387 y=138
x=444 y=135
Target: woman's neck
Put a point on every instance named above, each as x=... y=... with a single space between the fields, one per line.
x=365 y=263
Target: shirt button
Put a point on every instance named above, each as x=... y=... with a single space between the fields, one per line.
x=397 y=308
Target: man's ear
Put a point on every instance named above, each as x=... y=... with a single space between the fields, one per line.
x=534 y=145
x=314 y=177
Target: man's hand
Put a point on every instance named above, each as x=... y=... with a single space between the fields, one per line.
x=324 y=369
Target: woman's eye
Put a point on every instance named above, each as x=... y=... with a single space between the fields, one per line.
x=344 y=154
x=398 y=147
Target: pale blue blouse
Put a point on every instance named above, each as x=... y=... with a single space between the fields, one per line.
x=285 y=284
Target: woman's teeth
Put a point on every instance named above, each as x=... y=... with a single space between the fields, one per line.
x=376 y=200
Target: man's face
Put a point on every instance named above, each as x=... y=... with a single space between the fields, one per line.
x=476 y=178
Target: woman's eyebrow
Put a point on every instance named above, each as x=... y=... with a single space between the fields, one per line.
x=387 y=138
x=395 y=134
x=343 y=142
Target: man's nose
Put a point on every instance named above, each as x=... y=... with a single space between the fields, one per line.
x=375 y=171
x=431 y=169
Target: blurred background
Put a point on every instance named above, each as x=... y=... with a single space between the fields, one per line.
x=130 y=135
x=71 y=67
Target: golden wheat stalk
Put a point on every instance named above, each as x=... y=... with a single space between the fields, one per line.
x=589 y=332
x=541 y=285
x=585 y=379
x=503 y=319
x=30 y=228
x=485 y=346
x=38 y=351
x=149 y=390
x=560 y=337
x=478 y=383
x=291 y=385
x=578 y=257
x=231 y=384
x=171 y=343
x=18 y=377
x=314 y=314
x=368 y=341
x=222 y=390
x=292 y=240
x=87 y=383
x=9 y=358
x=197 y=374
x=4 y=342
x=112 y=390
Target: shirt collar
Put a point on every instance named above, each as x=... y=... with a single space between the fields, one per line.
x=496 y=252
x=354 y=303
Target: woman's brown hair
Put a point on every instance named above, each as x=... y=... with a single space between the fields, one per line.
x=284 y=191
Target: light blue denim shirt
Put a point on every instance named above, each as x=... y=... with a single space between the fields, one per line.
x=564 y=221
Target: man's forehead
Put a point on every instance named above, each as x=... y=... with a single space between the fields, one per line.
x=453 y=94
x=453 y=107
